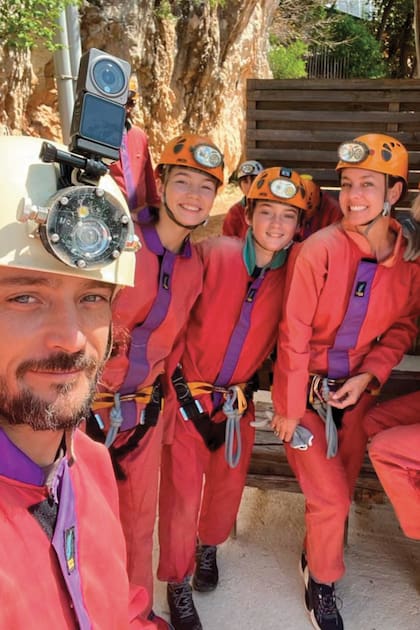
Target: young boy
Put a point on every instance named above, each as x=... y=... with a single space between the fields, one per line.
x=232 y=329
x=148 y=318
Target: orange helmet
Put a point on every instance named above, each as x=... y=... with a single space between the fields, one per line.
x=198 y=152
x=375 y=152
x=279 y=184
x=313 y=192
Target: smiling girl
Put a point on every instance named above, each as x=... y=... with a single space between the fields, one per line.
x=148 y=319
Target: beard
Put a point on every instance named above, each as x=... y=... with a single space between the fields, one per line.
x=68 y=409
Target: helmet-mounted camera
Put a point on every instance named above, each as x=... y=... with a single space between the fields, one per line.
x=99 y=110
x=82 y=224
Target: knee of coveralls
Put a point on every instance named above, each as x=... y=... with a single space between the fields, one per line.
x=327 y=501
x=224 y=487
x=395 y=455
x=397 y=411
x=138 y=496
x=183 y=465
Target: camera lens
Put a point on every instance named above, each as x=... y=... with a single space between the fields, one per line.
x=109 y=77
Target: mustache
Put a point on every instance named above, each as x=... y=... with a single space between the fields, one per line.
x=60 y=362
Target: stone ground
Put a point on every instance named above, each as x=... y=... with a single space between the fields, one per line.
x=260 y=587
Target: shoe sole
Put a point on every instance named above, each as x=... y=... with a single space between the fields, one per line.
x=203 y=588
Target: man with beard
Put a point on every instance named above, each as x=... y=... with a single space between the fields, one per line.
x=62 y=555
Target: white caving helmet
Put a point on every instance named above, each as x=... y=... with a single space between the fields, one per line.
x=80 y=230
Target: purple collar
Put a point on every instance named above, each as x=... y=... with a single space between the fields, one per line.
x=151 y=236
x=14 y=464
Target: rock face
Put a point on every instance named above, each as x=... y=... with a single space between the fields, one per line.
x=191 y=61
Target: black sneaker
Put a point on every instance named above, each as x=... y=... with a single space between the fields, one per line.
x=184 y=615
x=206 y=575
x=321 y=605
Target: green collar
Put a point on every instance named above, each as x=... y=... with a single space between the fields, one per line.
x=248 y=254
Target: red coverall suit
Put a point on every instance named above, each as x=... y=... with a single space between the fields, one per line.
x=395 y=453
x=234 y=223
x=181 y=286
x=319 y=289
x=210 y=330
x=62 y=556
x=133 y=172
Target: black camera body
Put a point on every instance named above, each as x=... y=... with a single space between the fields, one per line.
x=98 y=118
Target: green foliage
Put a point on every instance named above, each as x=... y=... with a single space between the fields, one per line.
x=393 y=24
x=28 y=23
x=287 y=62
x=353 y=40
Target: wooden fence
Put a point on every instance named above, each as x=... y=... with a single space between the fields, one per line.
x=300 y=122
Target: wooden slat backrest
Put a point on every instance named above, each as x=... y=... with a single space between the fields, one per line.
x=300 y=123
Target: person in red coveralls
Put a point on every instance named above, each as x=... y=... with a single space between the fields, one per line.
x=394 y=429
x=235 y=223
x=133 y=172
x=231 y=330
x=324 y=209
x=150 y=316
x=62 y=550
x=394 y=450
x=347 y=321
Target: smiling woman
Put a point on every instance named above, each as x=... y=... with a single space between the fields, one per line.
x=349 y=316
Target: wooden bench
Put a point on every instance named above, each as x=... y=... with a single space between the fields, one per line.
x=300 y=122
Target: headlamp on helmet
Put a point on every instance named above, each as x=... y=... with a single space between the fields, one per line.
x=353 y=152
x=279 y=184
x=83 y=226
x=192 y=151
x=250 y=167
x=375 y=152
x=207 y=155
x=283 y=188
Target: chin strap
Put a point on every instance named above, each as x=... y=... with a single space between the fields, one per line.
x=175 y=220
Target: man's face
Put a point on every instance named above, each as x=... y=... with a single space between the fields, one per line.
x=54 y=333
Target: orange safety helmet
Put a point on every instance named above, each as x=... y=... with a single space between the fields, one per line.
x=279 y=184
x=375 y=152
x=193 y=151
x=313 y=192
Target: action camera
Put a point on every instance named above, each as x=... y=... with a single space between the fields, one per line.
x=99 y=111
